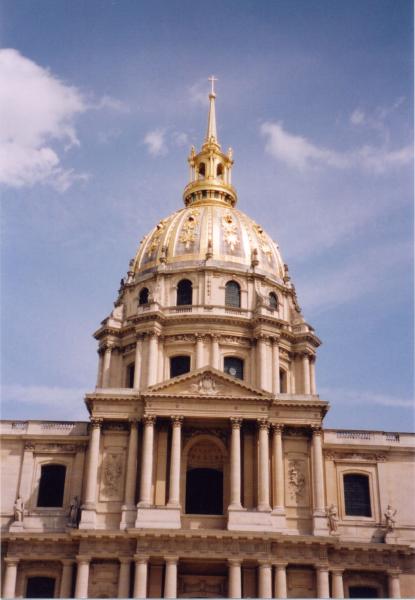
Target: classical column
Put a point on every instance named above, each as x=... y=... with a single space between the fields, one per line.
x=306 y=373
x=337 y=583
x=107 y=365
x=199 y=351
x=124 y=578
x=265 y=581
x=10 y=577
x=215 y=352
x=262 y=359
x=234 y=579
x=318 y=472
x=323 y=582
x=100 y=367
x=140 y=577
x=160 y=360
x=278 y=479
x=263 y=467
x=152 y=358
x=292 y=375
x=82 y=577
x=313 y=389
x=88 y=508
x=394 y=584
x=275 y=367
x=236 y=463
x=147 y=461
x=280 y=580
x=138 y=361
x=170 y=582
x=131 y=474
x=66 y=578
x=175 y=458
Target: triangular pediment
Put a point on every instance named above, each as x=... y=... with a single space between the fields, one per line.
x=207 y=382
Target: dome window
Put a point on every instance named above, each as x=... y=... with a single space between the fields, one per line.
x=184 y=292
x=234 y=366
x=179 y=365
x=202 y=170
x=219 y=171
x=273 y=301
x=283 y=381
x=233 y=294
x=143 y=296
x=130 y=375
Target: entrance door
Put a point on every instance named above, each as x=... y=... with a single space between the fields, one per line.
x=40 y=587
x=204 y=492
x=363 y=591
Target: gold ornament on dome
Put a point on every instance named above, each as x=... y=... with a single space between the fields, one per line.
x=230 y=231
x=263 y=242
x=155 y=240
x=188 y=233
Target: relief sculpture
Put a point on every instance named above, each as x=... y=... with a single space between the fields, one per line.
x=112 y=472
x=296 y=480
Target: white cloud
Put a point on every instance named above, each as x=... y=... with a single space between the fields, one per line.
x=37 y=109
x=364 y=398
x=156 y=142
x=180 y=138
x=111 y=103
x=357 y=117
x=199 y=92
x=299 y=153
x=362 y=275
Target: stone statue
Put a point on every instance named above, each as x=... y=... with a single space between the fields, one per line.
x=18 y=509
x=74 y=512
x=332 y=518
x=389 y=515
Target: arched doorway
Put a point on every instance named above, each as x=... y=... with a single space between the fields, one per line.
x=205 y=475
x=40 y=587
x=204 y=492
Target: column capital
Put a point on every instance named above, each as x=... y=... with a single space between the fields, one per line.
x=82 y=559
x=177 y=420
x=124 y=560
x=236 y=422
x=316 y=430
x=275 y=339
x=394 y=572
x=279 y=564
x=140 y=558
x=263 y=424
x=139 y=336
x=277 y=427
x=11 y=560
x=149 y=419
x=321 y=567
x=215 y=336
x=264 y=564
x=133 y=421
x=234 y=562
x=337 y=570
x=67 y=561
x=96 y=422
x=171 y=560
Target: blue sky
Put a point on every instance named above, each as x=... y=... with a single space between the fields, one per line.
x=101 y=105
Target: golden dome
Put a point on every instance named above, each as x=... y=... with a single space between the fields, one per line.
x=210 y=233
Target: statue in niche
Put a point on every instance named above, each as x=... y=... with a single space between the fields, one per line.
x=73 y=515
x=332 y=518
x=18 y=510
x=296 y=479
x=390 y=520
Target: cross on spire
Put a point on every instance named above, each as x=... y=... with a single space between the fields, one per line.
x=212 y=80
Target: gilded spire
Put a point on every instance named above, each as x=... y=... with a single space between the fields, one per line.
x=211 y=134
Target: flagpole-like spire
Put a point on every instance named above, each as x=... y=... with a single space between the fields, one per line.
x=211 y=134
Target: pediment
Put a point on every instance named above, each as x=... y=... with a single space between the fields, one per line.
x=205 y=382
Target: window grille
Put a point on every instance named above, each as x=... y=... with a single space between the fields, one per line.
x=233 y=294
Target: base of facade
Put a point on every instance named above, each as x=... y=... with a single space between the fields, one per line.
x=278 y=519
x=158 y=518
x=128 y=516
x=249 y=520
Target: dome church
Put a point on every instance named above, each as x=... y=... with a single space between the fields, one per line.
x=204 y=470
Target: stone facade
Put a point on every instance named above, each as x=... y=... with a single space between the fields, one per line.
x=216 y=479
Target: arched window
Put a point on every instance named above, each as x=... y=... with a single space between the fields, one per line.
x=40 y=587
x=51 y=485
x=219 y=171
x=184 y=292
x=273 y=301
x=357 y=495
x=179 y=365
x=234 y=366
x=143 y=296
x=130 y=375
x=233 y=294
x=202 y=170
x=283 y=381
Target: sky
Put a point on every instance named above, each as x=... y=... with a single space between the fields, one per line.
x=100 y=103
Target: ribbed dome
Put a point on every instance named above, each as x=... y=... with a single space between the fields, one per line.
x=209 y=231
